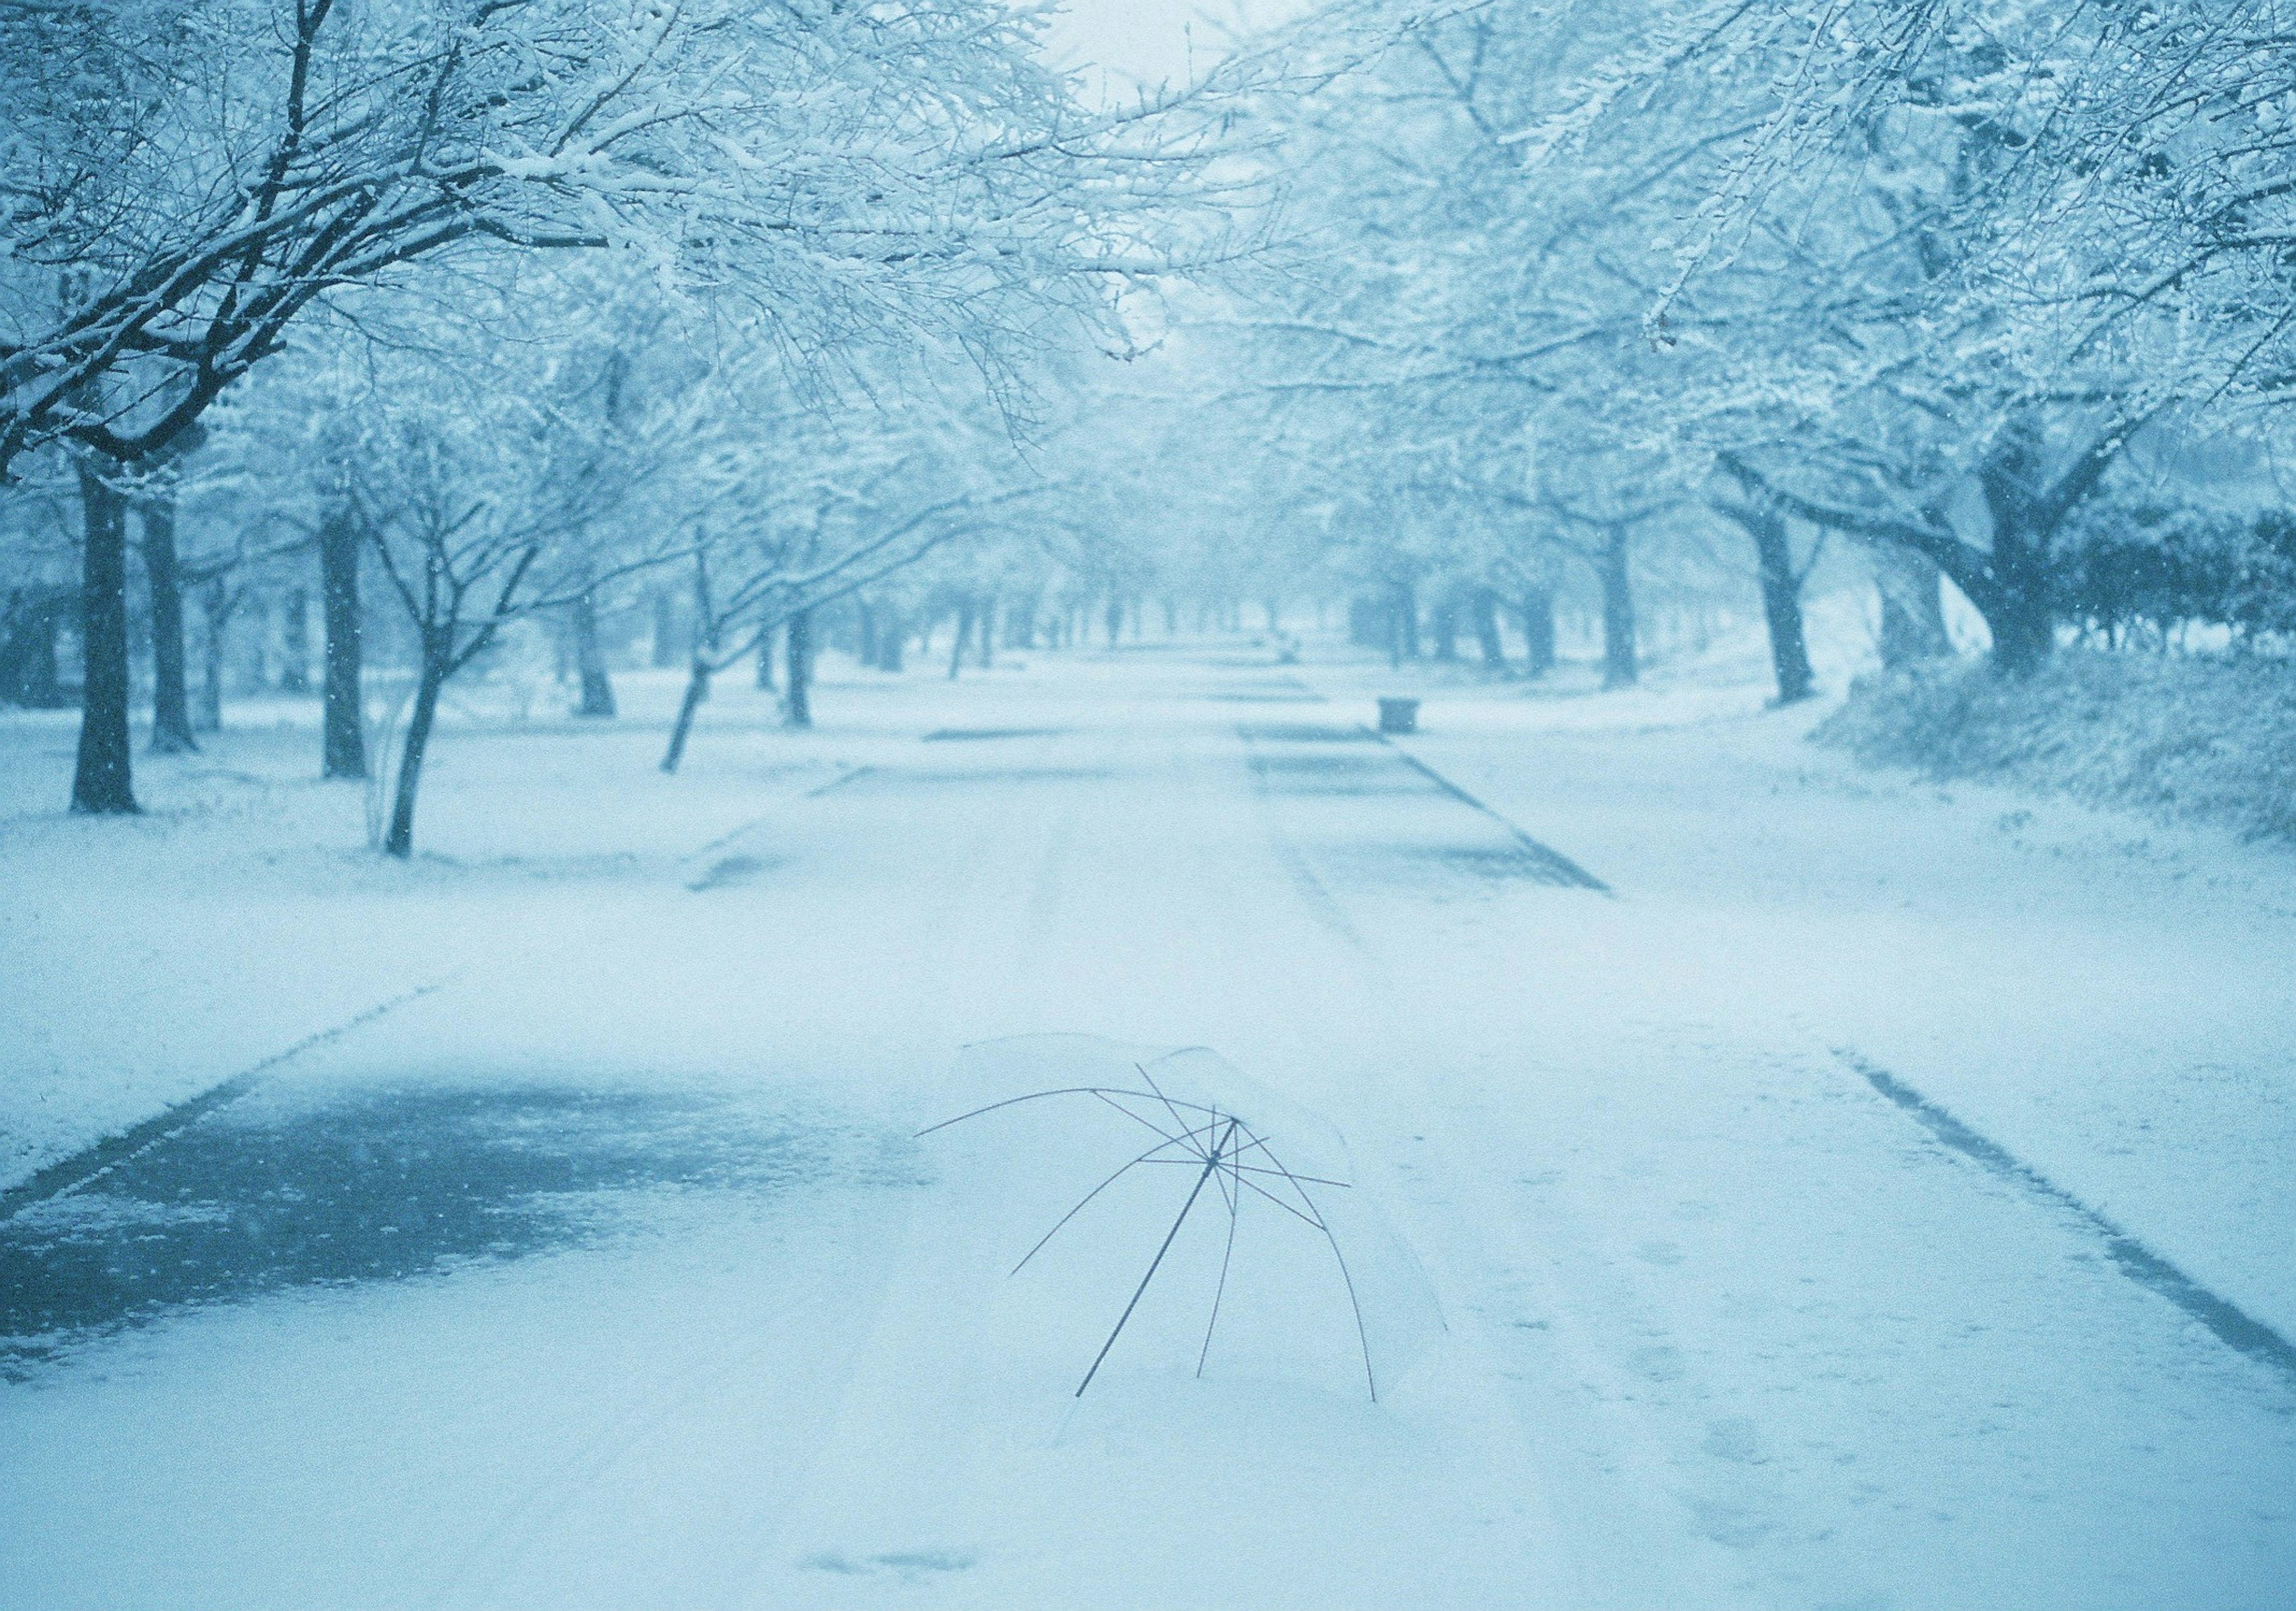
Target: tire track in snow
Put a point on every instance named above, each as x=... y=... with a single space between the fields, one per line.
x=732 y=869
x=1558 y=867
x=1318 y=900
x=1554 y=866
x=2232 y=1325
x=838 y=782
x=68 y=1174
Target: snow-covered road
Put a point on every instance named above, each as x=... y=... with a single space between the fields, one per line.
x=608 y=1272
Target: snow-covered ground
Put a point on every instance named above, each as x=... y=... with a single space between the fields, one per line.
x=609 y=1271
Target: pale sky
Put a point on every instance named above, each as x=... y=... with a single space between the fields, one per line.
x=1148 y=39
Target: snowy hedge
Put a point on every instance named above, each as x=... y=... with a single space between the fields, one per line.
x=2203 y=737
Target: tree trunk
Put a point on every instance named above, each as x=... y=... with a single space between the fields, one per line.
x=101 y=781
x=400 y=840
x=2021 y=612
x=28 y=672
x=1781 y=600
x=797 y=704
x=171 y=715
x=343 y=735
x=2016 y=592
x=1536 y=611
x=1114 y=619
x=1485 y=607
x=597 y=696
x=1367 y=623
x=766 y=682
x=664 y=651
x=295 y=642
x=215 y=609
x=865 y=619
x=1913 y=610
x=1621 y=661
x=893 y=641
x=988 y=629
x=963 y=630
x=697 y=689
x=1446 y=626
x=1402 y=623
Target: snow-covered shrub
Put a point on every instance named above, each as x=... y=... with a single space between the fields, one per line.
x=2263 y=595
x=2150 y=565
x=2206 y=738
x=2157 y=566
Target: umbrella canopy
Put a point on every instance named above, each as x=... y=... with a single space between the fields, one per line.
x=1247 y=1211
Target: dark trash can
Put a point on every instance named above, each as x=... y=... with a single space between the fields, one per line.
x=1398 y=716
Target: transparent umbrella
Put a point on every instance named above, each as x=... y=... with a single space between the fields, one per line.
x=1280 y=1176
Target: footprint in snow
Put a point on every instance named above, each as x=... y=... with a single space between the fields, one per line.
x=910 y=1564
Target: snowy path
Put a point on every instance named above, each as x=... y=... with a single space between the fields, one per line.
x=607 y=1274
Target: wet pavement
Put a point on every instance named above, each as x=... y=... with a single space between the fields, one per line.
x=278 y=1191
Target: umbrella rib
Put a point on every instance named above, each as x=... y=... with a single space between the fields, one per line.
x=1152 y=1124
x=1144 y=1158
x=1346 y=1277
x=1313 y=1223
x=1038 y=1096
x=1223 y=1153
x=1228 y=1194
x=1281 y=1174
x=1010 y=1102
x=1220 y=1291
x=1313 y=1180
x=1363 y=1336
x=1160 y=1096
x=1197 y=1190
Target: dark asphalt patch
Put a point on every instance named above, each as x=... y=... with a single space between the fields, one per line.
x=836 y=782
x=1301 y=733
x=2233 y=1326
x=1564 y=872
x=956 y=735
x=1342 y=787
x=1002 y=777
x=1291 y=764
x=381 y=1185
x=730 y=871
x=1357 y=774
x=1478 y=861
x=111 y=1153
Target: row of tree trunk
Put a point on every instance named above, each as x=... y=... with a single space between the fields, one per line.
x=102 y=773
x=1912 y=616
x=1391 y=623
x=1913 y=627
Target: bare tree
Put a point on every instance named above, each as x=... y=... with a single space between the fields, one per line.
x=189 y=177
x=102 y=782
x=1781 y=581
x=171 y=716
x=341 y=542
